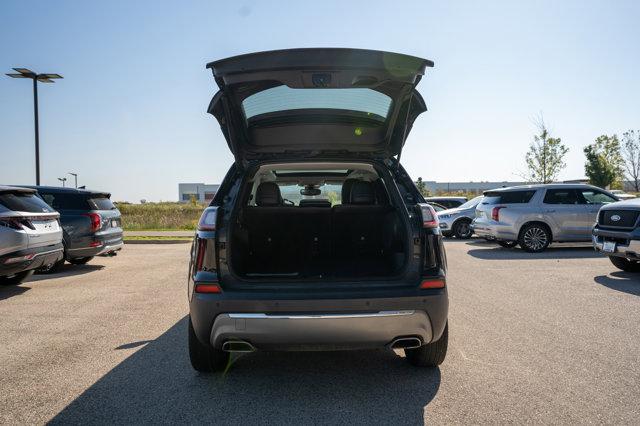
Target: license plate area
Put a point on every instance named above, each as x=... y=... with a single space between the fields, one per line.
x=609 y=247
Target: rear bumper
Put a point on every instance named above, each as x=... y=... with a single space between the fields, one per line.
x=105 y=247
x=35 y=258
x=313 y=324
x=493 y=230
x=320 y=331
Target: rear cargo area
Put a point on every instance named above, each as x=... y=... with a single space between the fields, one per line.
x=362 y=236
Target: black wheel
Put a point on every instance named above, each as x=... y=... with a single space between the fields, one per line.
x=15 y=279
x=52 y=269
x=462 y=229
x=430 y=355
x=625 y=264
x=507 y=244
x=446 y=234
x=534 y=238
x=80 y=260
x=205 y=358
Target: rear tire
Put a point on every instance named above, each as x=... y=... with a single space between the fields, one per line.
x=205 y=358
x=625 y=264
x=16 y=278
x=462 y=229
x=80 y=260
x=429 y=355
x=534 y=238
x=507 y=244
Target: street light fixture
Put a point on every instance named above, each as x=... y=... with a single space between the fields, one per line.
x=75 y=177
x=43 y=78
x=63 y=180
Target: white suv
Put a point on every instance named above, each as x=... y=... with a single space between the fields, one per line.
x=535 y=215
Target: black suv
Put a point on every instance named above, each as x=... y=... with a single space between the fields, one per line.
x=317 y=238
x=91 y=223
x=617 y=234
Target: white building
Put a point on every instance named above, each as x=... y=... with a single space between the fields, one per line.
x=202 y=192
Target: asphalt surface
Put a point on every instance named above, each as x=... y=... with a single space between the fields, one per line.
x=548 y=338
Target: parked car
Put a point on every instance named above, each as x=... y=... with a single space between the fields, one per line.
x=617 y=234
x=457 y=221
x=437 y=207
x=621 y=195
x=274 y=274
x=91 y=223
x=448 y=202
x=535 y=215
x=30 y=235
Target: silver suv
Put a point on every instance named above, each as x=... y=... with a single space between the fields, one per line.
x=457 y=221
x=535 y=215
x=30 y=234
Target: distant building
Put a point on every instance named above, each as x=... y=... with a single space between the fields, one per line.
x=201 y=191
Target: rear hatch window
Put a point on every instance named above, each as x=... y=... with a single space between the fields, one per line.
x=68 y=201
x=508 y=197
x=371 y=104
x=21 y=202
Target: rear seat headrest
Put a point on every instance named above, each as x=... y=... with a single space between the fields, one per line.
x=268 y=194
x=315 y=202
x=346 y=190
x=362 y=193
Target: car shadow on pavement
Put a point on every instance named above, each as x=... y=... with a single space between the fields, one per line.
x=7 y=291
x=500 y=253
x=67 y=270
x=156 y=384
x=627 y=282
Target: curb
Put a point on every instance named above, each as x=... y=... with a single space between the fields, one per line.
x=150 y=241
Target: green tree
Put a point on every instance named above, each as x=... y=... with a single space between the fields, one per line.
x=604 y=165
x=422 y=187
x=631 y=154
x=545 y=158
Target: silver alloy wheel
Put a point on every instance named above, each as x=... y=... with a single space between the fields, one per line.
x=535 y=238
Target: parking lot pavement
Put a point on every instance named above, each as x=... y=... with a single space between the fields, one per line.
x=547 y=338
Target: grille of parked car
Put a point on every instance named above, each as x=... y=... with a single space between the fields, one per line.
x=618 y=218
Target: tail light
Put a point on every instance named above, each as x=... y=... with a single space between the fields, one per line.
x=208 y=219
x=96 y=221
x=429 y=216
x=495 y=213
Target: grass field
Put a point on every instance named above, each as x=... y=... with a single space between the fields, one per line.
x=160 y=216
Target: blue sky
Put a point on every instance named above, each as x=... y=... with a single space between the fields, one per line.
x=130 y=115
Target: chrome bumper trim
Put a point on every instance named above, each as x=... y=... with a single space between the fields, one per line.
x=322 y=316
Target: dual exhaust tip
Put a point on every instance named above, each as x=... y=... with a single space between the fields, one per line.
x=239 y=346
x=406 y=343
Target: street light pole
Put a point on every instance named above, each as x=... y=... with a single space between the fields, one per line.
x=43 y=78
x=63 y=180
x=35 y=115
x=75 y=177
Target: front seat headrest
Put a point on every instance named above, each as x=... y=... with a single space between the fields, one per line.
x=346 y=190
x=362 y=193
x=268 y=194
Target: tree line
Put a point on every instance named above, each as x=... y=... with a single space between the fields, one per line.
x=609 y=160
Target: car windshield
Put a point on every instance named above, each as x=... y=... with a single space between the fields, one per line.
x=282 y=98
x=471 y=203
